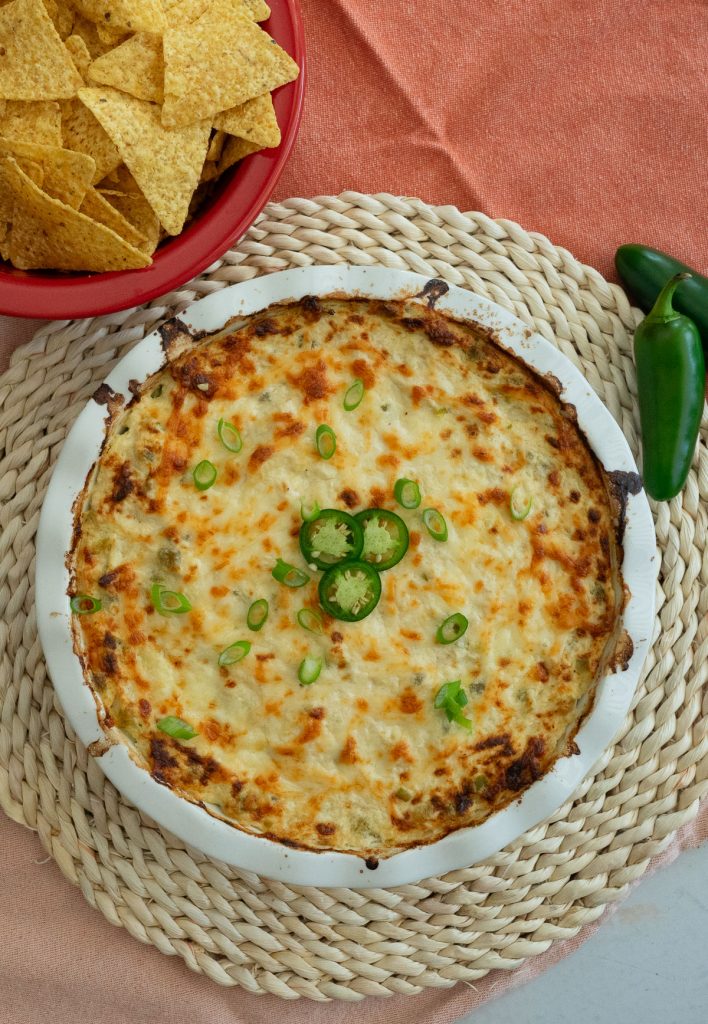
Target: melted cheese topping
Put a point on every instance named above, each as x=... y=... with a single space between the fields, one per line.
x=361 y=760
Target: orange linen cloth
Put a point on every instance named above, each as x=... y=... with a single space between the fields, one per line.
x=586 y=120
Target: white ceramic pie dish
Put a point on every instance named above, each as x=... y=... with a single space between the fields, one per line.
x=194 y=824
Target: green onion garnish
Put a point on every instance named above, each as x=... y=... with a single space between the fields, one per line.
x=156 y=392
x=229 y=436
x=519 y=512
x=83 y=604
x=407 y=493
x=204 y=475
x=452 y=629
x=435 y=524
x=325 y=441
x=309 y=511
x=451 y=699
x=236 y=652
x=257 y=614
x=168 y=602
x=354 y=395
x=309 y=670
x=176 y=728
x=310 y=620
x=290 y=575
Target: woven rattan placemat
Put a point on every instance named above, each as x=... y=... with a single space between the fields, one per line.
x=268 y=937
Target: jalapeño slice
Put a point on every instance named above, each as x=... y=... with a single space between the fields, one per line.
x=332 y=537
x=385 y=538
x=350 y=591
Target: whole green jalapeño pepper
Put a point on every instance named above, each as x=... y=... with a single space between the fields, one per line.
x=645 y=271
x=670 y=383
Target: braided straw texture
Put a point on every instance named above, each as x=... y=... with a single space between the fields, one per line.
x=240 y=929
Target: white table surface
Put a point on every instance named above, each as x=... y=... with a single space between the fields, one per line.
x=646 y=964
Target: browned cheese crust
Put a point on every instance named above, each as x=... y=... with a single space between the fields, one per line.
x=361 y=760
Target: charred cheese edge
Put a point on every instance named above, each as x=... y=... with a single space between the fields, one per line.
x=361 y=760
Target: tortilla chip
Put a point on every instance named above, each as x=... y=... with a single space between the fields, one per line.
x=182 y=12
x=165 y=163
x=62 y=14
x=82 y=133
x=135 y=208
x=254 y=120
x=48 y=234
x=110 y=36
x=67 y=175
x=97 y=207
x=210 y=171
x=235 y=150
x=80 y=55
x=258 y=9
x=124 y=15
x=216 y=145
x=122 y=180
x=32 y=122
x=218 y=62
x=35 y=64
x=7 y=203
x=87 y=31
x=135 y=67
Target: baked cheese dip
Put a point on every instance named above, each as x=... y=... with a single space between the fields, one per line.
x=346 y=575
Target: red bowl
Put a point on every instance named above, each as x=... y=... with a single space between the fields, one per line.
x=245 y=191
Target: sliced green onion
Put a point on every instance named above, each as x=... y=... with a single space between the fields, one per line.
x=168 y=602
x=290 y=575
x=480 y=783
x=310 y=620
x=257 y=614
x=354 y=395
x=452 y=629
x=451 y=699
x=435 y=524
x=156 y=392
x=309 y=670
x=407 y=493
x=325 y=441
x=84 y=604
x=236 y=652
x=176 y=728
x=309 y=511
x=204 y=475
x=403 y=794
x=229 y=436
x=519 y=512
